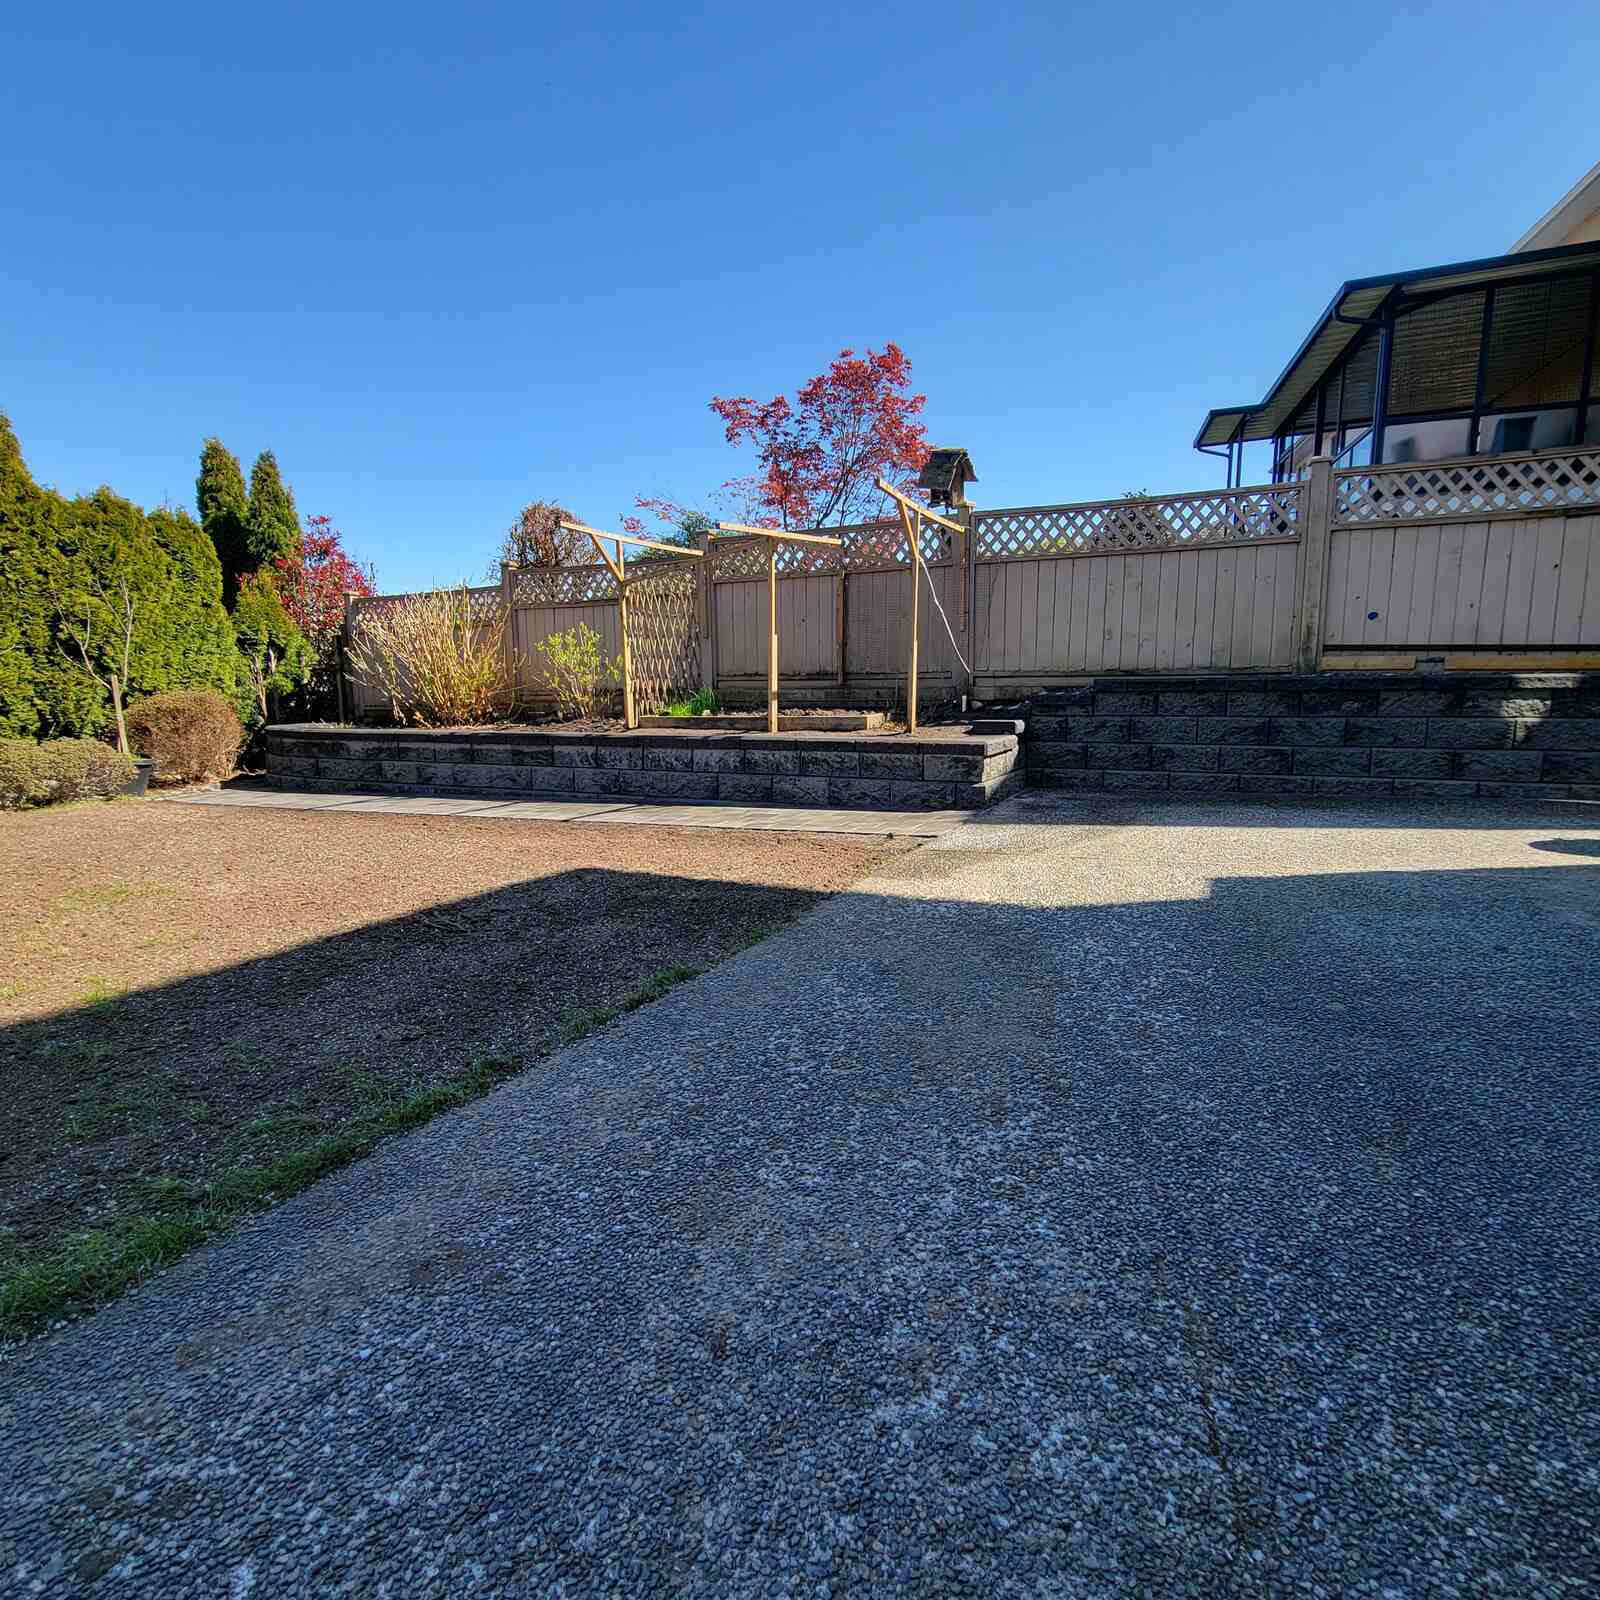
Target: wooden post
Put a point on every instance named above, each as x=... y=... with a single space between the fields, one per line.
x=841 y=659
x=705 y=584
x=913 y=530
x=772 y=635
x=629 y=716
x=1316 y=528
x=966 y=575
x=339 y=649
x=508 y=639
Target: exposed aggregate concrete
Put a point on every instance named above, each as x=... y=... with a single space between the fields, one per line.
x=1196 y=1200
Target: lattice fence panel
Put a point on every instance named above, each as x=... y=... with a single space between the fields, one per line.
x=1495 y=484
x=562 y=586
x=867 y=546
x=1225 y=516
x=663 y=633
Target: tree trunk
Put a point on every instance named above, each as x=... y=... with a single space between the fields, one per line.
x=116 y=705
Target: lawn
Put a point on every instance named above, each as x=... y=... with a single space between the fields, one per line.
x=203 y=1009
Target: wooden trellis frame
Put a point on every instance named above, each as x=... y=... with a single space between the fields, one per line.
x=912 y=515
x=619 y=571
x=774 y=537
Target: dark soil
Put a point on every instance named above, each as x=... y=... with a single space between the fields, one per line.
x=187 y=989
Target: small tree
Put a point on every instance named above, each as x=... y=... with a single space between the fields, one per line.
x=679 y=524
x=272 y=527
x=224 y=509
x=98 y=627
x=537 y=539
x=821 y=455
x=313 y=583
x=277 y=655
x=577 y=671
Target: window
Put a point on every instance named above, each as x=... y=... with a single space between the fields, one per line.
x=1526 y=430
x=1427 y=441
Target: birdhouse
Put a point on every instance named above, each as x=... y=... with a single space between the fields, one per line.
x=946 y=475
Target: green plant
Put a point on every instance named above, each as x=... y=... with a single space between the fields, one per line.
x=272 y=525
x=702 y=703
x=577 y=670
x=59 y=769
x=436 y=658
x=192 y=735
x=278 y=657
x=224 y=510
x=61 y=559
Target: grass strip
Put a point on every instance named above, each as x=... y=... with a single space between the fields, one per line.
x=91 y=1267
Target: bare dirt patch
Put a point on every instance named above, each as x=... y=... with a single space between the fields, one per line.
x=186 y=991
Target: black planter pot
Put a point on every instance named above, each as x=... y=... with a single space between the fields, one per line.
x=143 y=767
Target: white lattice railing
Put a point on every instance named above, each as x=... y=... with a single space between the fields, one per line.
x=1225 y=516
x=1485 y=486
x=867 y=547
x=483 y=605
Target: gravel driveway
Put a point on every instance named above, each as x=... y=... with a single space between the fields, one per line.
x=1100 y=1201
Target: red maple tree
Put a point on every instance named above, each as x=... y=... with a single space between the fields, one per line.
x=820 y=454
x=313 y=582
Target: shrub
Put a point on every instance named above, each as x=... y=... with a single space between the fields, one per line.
x=438 y=659
x=577 y=671
x=59 y=769
x=277 y=657
x=193 y=735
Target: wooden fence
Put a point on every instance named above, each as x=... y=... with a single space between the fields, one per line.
x=1469 y=563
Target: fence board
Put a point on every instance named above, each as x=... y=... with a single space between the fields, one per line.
x=1527 y=583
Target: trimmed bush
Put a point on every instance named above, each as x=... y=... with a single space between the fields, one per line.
x=59 y=769
x=192 y=735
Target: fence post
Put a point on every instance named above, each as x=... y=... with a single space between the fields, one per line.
x=966 y=571
x=508 y=638
x=1312 y=577
x=705 y=599
x=629 y=720
x=342 y=649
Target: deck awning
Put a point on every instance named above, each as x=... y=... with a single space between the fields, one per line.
x=1357 y=301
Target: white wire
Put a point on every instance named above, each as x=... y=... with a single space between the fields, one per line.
x=933 y=593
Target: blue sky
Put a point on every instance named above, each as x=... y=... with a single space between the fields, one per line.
x=447 y=259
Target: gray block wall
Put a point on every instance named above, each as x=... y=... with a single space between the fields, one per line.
x=874 y=771
x=1532 y=736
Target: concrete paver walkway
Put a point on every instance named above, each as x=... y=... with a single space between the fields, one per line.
x=1193 y=1200
x=710 y=814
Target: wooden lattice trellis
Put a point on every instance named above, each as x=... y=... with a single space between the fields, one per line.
x=560 y=586
x=1222 y=517
x=663 y=634
x=1490 y=486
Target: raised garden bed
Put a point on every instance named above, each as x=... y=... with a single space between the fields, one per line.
x=788 y=721
x=933 y=769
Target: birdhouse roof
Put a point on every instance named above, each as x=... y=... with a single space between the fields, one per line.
x=948 y=467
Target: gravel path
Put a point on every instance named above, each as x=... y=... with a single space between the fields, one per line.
x=1098 y=1201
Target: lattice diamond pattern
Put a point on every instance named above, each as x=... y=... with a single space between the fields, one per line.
x=559 y=586
x=663 y=633
x=1222 y=517
x=1467 y=488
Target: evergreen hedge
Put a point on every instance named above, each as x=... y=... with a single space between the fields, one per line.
x=61 y=559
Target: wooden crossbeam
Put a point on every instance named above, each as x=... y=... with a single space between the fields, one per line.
x=920 y=509
x=742 y=528
x=633 y=538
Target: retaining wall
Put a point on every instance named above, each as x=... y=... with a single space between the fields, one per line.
x=893 y=771
x=1533 y=736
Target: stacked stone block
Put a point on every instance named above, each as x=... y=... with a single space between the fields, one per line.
x=1479 y=736
x=881 y=771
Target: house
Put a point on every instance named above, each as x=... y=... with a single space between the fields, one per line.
x=1477 y=358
